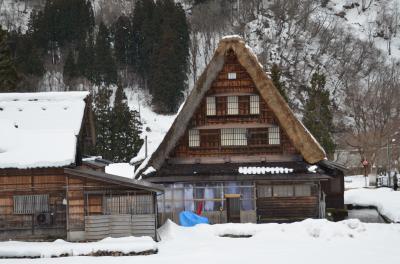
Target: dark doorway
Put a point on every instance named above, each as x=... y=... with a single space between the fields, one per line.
x=233 y=208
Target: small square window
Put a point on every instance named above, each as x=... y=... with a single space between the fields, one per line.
x=194 y=138
x=210 y=105
x=232 y=76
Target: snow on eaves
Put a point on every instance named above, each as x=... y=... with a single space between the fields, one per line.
x=40 y=129
x=264 y=170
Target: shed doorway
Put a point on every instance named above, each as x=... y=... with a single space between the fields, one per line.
x=233 y=208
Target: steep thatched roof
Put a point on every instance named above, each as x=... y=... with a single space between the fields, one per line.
x=301 y=138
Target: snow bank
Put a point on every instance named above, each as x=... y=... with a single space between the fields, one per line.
x=121 y=169
x=125 y=245
x=39 y=129
x=311 y=241
x=385 y=200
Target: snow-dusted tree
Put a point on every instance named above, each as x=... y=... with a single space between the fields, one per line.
x=126 y=129
x=8 y=73
x=103 y=122
x=318 y=116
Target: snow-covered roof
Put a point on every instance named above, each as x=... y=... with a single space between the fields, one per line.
x=121 y=169
x=40 y=129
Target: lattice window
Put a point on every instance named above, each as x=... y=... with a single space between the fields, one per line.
x=254 y=104
x=283 y=191
x=128 y=204
x=233 y=105
x=194 y=138
x=274 y=136
x=211 y=109
x=232 y=76
x=302 y=190
x=264 y=191
x=31 y=204
x=233 y=137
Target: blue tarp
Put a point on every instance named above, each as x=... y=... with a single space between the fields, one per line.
x=187 y=218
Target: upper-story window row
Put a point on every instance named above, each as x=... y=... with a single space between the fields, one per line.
x=234 y=105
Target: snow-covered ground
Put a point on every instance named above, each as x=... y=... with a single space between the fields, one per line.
x=310 y=241
x=385 y=200
x=355 y=181
x=60 y=247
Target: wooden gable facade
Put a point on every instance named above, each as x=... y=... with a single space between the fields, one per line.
x=237 y=153
x=232 y=107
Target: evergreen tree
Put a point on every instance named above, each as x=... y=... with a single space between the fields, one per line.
x=168 y=76
x=8 y=73
x=318 y=117
x=104 y=68
x=122 y=36
x=27 y=56
x=84 y=64
x=126 y=129
x=276 y=73
x=103 y=123
x=70 y=69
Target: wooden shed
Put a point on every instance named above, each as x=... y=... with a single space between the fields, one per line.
x=237 y=153
x=47 y=191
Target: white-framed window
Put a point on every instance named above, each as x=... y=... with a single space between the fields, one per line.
x=211 y=107
x=233 y=137
x=254 y=104
x=274 y=136
x=194 y=138
x=231 y=75
x=233 y=105
x=31 y=204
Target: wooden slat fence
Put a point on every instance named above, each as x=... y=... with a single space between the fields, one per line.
x=101 y=226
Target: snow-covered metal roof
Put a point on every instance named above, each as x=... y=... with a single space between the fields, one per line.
x=40 y=129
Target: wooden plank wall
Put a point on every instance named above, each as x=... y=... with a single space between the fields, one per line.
x=101 y=226
x=284 y=209
x=31 y=182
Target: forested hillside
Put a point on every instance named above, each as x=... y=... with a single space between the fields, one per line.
x=336 y=61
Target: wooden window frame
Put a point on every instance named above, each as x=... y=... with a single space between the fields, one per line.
x=31 y=204
x=254 y=104
x=232 y=76
x=194 y=138
x=232 y=105
x=211 y=107
x=233 y=137
x=274 y=137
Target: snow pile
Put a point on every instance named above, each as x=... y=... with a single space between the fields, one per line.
x=385 y=200
x=264 y=170
x=125 y=245
x=39 y=129
x=312 y=169
x=121 y=169
x=355 y=181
